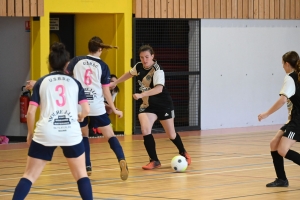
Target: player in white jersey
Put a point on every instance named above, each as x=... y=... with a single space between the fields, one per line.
x=94 y=75
x=57 y=95
x=289 y=133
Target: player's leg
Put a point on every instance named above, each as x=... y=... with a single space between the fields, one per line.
x=278 y=161
x=87 y=149
x=168 y=125
x=38 y=155
x=76 y=160
x=147 y=120
x=103 y=124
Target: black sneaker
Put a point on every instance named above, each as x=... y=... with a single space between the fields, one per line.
x=278 y=183
x=89 y=170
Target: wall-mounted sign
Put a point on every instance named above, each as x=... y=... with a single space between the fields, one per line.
x=54 y=24
x=27 y=26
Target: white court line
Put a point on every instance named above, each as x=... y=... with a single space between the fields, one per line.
x=112 y=169
x=152 y=179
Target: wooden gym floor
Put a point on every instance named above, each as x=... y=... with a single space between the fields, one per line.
x=226 y=164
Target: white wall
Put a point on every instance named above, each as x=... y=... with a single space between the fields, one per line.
x=14 y=71
x=241 y=70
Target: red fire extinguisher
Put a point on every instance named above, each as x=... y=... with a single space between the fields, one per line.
x=24 y=103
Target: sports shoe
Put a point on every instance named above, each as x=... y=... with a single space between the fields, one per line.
x=188 y=157
x=152 y=165
x=278 y=183
x=124 y=170
x=89 y=170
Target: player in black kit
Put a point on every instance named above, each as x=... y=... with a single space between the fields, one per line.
x=289 y=134
x=156 y=103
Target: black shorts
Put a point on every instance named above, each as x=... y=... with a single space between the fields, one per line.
x=42 y=152
x=162 y=114
x=96 y=121
x=291 y=130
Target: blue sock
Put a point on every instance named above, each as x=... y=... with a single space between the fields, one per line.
x=85 y=188
x=22 y=189
x=87 y=151
x=116 y=147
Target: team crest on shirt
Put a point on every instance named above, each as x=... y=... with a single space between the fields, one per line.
x=90 y=94
x=61 y=119
x=143 y=88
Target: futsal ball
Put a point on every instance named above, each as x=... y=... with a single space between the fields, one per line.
x=179 y=163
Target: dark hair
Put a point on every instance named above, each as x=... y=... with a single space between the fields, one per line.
x=96 y=43
x=292 y=58
x=116 y=89
x=58 y=57
x=146 y=48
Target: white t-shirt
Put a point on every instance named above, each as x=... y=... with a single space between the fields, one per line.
x=58 y=96
x=93 y=74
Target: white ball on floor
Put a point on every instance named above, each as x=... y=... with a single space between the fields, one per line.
x=179 y=163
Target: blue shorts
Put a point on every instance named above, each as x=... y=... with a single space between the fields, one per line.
x=96 y=121
x=42 y=152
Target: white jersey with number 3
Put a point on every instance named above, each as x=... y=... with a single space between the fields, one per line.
x=58 y=96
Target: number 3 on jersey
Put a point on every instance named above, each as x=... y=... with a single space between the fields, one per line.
x=61 y=89
x=87 y=77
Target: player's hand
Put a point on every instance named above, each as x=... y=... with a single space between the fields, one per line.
x=30 y=84
x=119 y=113
x=137 y=96
x=80 y=118
x=262 y=116
x=112 y=85
x=29 y=138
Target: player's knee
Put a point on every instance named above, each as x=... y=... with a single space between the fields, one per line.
x=282 y=151
x=145 y=131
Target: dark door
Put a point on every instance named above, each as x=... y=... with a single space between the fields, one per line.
x=62 y=30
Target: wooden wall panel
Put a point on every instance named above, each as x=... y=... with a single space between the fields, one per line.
x=3 y=11
x=151 y=9
x=188 y=8
x=176 y=8
x=10 y=8
x=213 y=9
x=164 y=11
x=26 y=8
x=240 y=9
x=33 y=7
x=200 y=9
x=251 y=9
x=181 y=8
x=287 y=11
x=194 y=9
x=170 y=8
x=245 y=9
x=267 y=9
x=206 y=9
x=145 y=9
x=18 y=8
x=297 y=9
x=272 y=9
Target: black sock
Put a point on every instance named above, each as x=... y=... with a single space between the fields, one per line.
x=293 y=156
x=178 y=143
x=149 y=143
x=278 y=165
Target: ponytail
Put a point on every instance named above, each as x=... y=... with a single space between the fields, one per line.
x=297 y=69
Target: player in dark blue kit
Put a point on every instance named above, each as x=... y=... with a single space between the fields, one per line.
x=289 y=134
x=94 y=75
x=58 y=96
x=156 y=104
